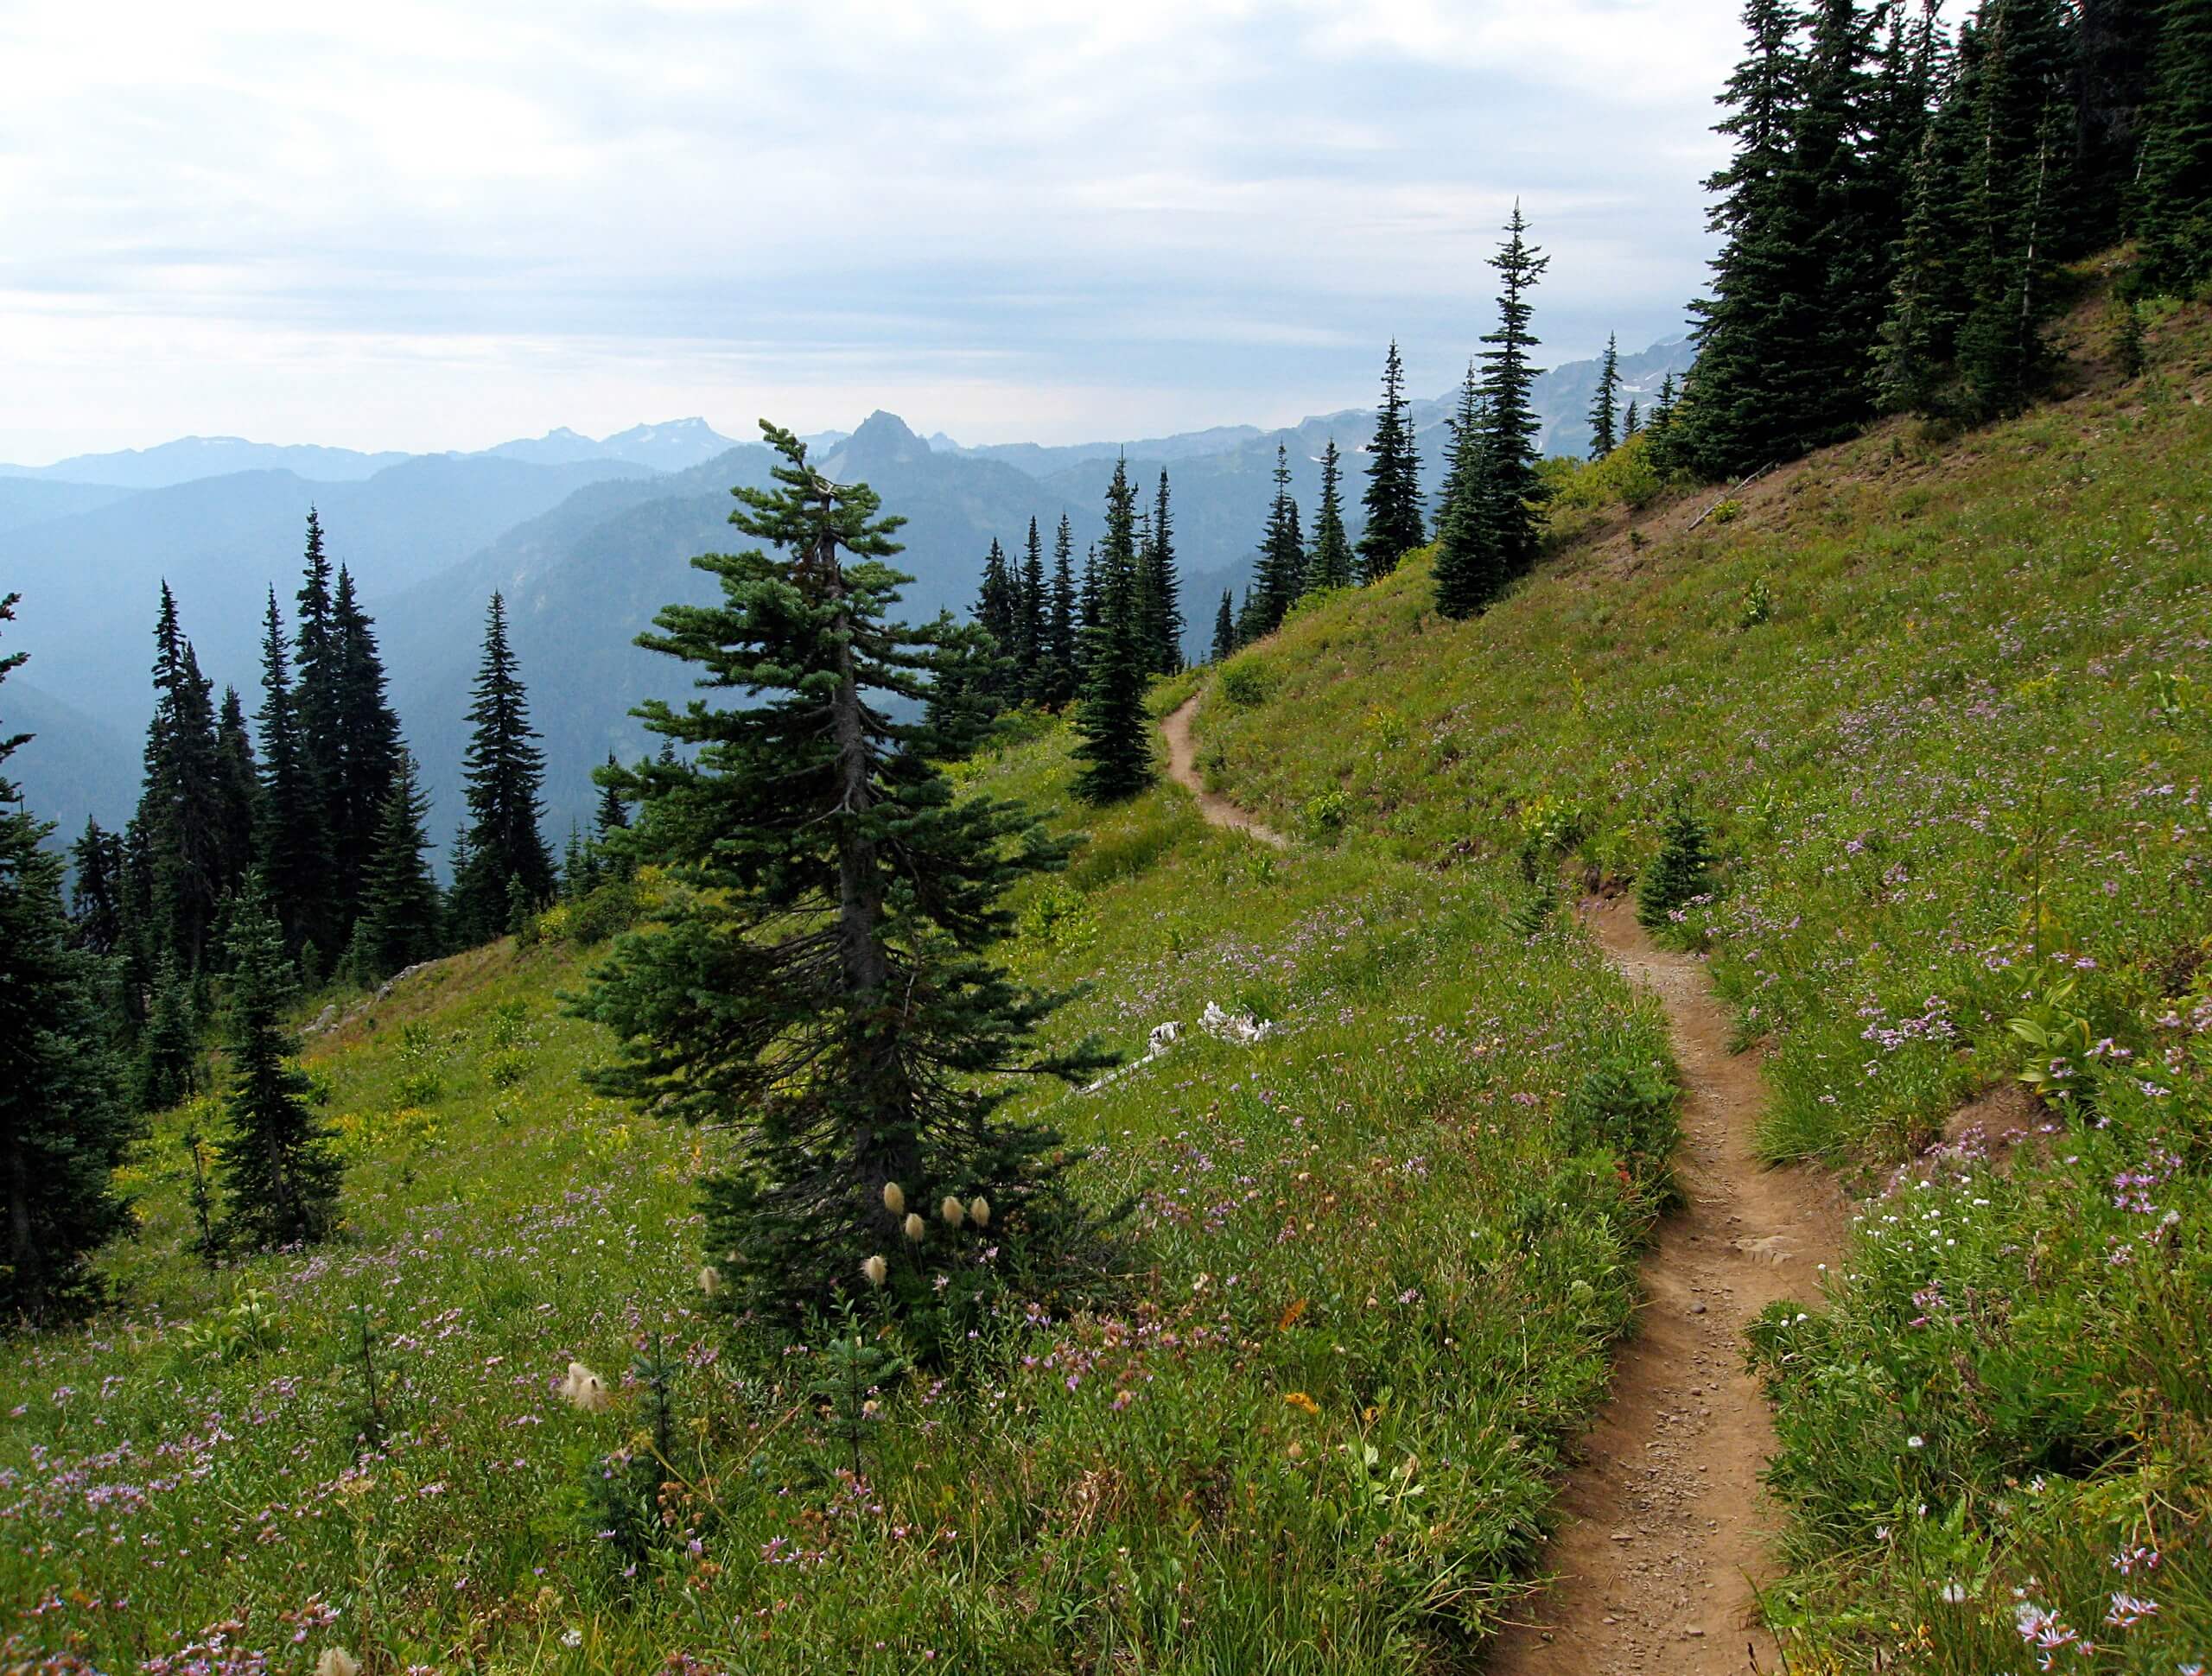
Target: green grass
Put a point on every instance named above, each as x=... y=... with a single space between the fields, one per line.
x=1945 y=704
x=1368 y=1284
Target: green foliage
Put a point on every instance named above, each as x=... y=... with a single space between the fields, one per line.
x=1246 y=680
x=815 y=979
x=1393 y=493
x=63 y=1124
x=1681 y=872
x=1111 y=720
x=279 y=1173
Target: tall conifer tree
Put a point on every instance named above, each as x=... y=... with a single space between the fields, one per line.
x=238 y=791
x=1225 y=627
x=95 y=895
x=294 y=837
x=1030 y=649
x=368 y=766
x=1162 y=588
x=1329 y=565
x=1510 y=490
x=1279 y=578
x=1056 y=677
x=1469 y=565
x=820 y=985
x=502 y=770
x=180 y=810
x=1748 y=391
x=2174 y=198
x=1605 y=406
x=1111 y=722
x=1393 y=497
x=63 y=1125
x=401 y=921
x=280 y=1175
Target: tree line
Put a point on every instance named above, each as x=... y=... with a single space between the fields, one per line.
x=266 y=855
x=1901 y=201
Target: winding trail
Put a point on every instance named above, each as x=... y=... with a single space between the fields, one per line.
x=1663 y=1526
x=1183 y=768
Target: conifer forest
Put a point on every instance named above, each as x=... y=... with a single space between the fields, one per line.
x=1562 y=1029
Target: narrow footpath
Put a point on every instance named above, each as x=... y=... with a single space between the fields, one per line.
x=1183 y=766
x=1663 y=1528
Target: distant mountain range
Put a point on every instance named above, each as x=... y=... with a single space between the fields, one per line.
x=586 y=538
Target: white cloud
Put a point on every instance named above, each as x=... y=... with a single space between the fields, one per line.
x=1039 y=205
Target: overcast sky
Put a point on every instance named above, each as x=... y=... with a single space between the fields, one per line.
x=398 y=225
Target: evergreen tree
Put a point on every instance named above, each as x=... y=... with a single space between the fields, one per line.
x=168 y=1047
x=1631 y=422
x=1393 y=497
x=1279 y=578
x=2174 y=197
x=179 y=809
x=63 y=1127
x=96 y=900
x=2115 y=82
x=502 y=770
x=1161 y=590
x=995 y=599
x=1839 y=146
x=294 y=840
x=1111 y=722
x=2017 y=186
x=1471 y=568
x=238 y=792
x=1681 y=870
x=1224 y=628
x=401 y=921
x=280 y=1175
x=1505 y=499
x=1918 y=338
x=1605 y=406
x=1091 y=599
x=1329 y=565
x=614 y=814
x=1753 y=379
x=317 y=664
x=1032 y=631
x=1056 y=676
x=369 y=765
x=819 y=985
x=965 y=697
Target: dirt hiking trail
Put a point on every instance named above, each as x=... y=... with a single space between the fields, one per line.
x=1664 y=1527
x=1183 y=768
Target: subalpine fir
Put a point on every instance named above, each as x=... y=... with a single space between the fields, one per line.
x=64 y=1127
x=1111 y=723
x=1393 y=496
x=279 y=1172
x=1330 y=563
x=818 y=986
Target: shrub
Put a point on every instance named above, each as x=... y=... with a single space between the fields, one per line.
x=1246 y=681
x=1682 y=870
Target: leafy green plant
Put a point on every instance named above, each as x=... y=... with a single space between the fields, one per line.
x=2057 y=1038
x=1246 y=680
x=1756 y=606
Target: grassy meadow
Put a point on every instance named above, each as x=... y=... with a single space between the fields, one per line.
x=1943 y=703
x=1369 y=1274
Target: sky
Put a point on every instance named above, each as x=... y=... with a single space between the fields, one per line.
x=405 y=225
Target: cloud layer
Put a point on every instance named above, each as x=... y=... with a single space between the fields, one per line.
x=428 y=225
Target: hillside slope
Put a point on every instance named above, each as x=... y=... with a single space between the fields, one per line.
x=1941 y=702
